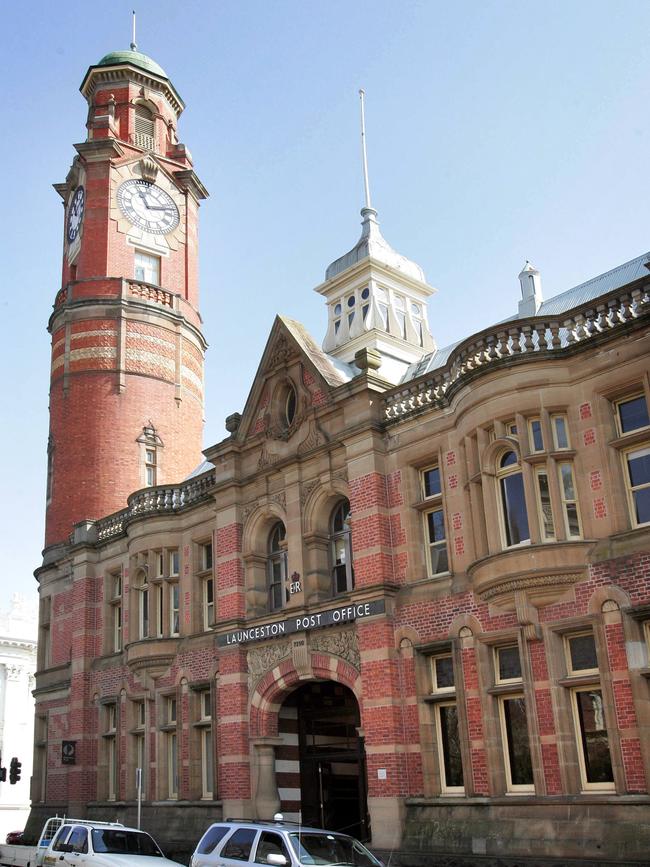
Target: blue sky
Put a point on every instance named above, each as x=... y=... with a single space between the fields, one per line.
x=497 y=131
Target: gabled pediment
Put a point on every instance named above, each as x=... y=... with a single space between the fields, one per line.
x=294 y=378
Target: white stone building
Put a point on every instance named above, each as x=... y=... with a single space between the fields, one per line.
x=18 y=630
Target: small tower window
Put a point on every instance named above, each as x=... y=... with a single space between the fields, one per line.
x=337 y=318
x=351 y=302
x=382 y=306
x=150 y=446
x=400 y=315
x=144 y=127
x=147 y=267
x=416 y=315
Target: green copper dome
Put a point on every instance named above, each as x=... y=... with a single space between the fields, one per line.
x=136 y=58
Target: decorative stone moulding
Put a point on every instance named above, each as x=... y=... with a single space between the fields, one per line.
x=151 y=658
x=542 y=573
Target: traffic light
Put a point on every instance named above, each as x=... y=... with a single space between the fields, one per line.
x=14 y=770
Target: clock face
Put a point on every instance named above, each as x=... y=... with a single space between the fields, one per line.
x=75 y=214
x=148 y=207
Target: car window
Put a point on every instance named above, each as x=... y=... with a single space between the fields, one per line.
x=212 y=836
x=124 y=842
x=239 y=846
x=61 y=837
x=78 y=840
x=270 y=844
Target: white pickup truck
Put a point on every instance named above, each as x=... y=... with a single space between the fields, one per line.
x=76 y=842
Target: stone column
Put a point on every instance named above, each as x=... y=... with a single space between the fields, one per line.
x=267 y=796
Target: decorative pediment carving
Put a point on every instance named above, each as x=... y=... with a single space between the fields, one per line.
x=148 y=169
x=344 y=644
x=263 y=659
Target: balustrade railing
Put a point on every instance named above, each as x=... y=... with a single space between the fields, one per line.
x=150 y=501
x=149 y=292
x=509 y=340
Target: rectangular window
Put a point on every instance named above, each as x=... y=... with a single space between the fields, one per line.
x=569 y=502
x=159 y=610
x=536 y=436
x=172 y=764
x=207 y=773
x=449 y=752
x=632 y=414
x=637 y=481
x=208 y=603
x=580 y=653
x=110 y=738
x=400 y=315
x=431 y=483
x=150 y=467
x=507 y=664
x=437 y=543
x=139 y=742
x=144 y=611
x=593 y=741
x=174 y=609
x=442 y=674
x=206 y=556
x=207 y=762
x=547 y=527
x=160 y=564
x=560 y=432
x=516 y=744
x=437 y=557
x=147 y=267
x=174 y=562
x=511 y=429
x=115 y=582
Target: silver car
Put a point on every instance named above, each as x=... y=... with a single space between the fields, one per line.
x=234 y=843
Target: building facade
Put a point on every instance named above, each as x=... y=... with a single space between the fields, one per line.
x=18 y=627
x=407 y=596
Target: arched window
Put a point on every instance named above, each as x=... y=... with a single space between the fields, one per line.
x=341 y=549
x=276 y=573
x=514 y=514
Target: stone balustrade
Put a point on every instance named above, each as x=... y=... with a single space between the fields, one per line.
x=158 y=500
x=516 y=339
x=150 y=292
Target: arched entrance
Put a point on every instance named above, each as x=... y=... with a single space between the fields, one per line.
x=320 y=767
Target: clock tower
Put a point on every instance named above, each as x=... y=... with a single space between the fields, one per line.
x=126 y=392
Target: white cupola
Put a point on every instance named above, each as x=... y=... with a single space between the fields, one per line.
x=376 y=298
x=531 y=290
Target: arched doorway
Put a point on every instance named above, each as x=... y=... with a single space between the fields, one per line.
x=320 y=768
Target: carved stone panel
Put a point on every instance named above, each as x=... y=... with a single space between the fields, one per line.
x=343 y=643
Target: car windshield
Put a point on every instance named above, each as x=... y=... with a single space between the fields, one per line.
x=330 y=849
x=124 y=842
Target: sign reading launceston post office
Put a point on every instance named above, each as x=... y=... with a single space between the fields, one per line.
x=331 y=617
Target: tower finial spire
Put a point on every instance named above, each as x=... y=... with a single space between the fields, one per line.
x=364 y=154
x=134 y=44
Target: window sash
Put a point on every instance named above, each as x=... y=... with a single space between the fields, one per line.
x=516 y=744
x=172 y=764
x=536 y=435
x=594 y=755
x=637 y=480
x=208 y=603
x=449 y=749
x=443 y=675
x=437 y=556
x=514 y=510
x=546 y=523
x=632 y=414
x=570 y=643
x=207 y=763
x=569 y=498
x=560 y=432
x=174 y=609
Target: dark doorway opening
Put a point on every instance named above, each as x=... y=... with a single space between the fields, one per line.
x=333 y=791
